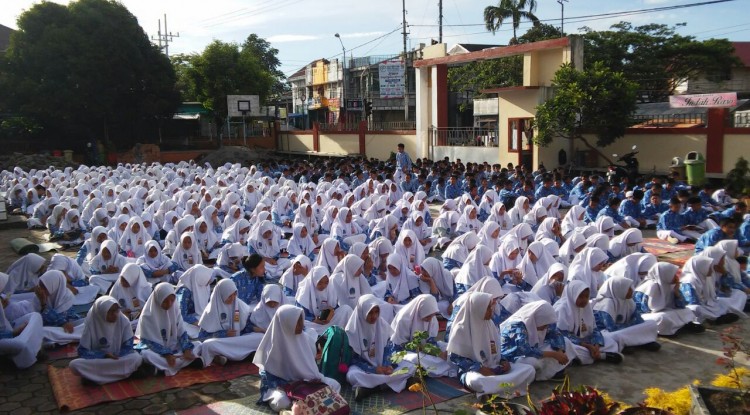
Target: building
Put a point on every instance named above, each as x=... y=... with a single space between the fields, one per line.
x=735 y=80
x=5 y=33
x=316 y=93
x=462 y=48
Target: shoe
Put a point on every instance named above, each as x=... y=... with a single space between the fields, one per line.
x=628 y=350
x=42 y=356
x=614 y=358
x=559 y=376
x=361 y=393
x=197 y=364
x=746 y=309
x=220 y=360
x=88 y=382
x=694 y=328
x=728 y=318
x=651 y=347
x=576 y=362
x=673 y=241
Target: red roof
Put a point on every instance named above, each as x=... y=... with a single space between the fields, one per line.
x=742 y=50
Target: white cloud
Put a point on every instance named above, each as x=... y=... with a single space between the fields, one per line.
x=291 y=38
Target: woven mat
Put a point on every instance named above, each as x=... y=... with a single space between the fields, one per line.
x=71 y=394
x=386 y=403
x=659 y=247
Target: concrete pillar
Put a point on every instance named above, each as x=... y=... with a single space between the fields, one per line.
x=715 y=125
x=423 y=110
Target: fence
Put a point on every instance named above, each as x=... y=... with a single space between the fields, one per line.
x=338 y=127
x=464 y=137
x=392 y=125
x=668 y=120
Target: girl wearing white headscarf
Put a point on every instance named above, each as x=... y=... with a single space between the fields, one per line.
x=301 y=243
x=306 y=216
x=444 y=282
x=118 y=230
x=24 y=273
x=698 y=287
x=635 y=267
x=533 y=266
x=573 y=220
x=319 y=298
x=587 y=267
x=409 y=247
x=523 y=234
x=475 y=268
x=575 y=320
x=131 y=291
x=606 y=225
x=133 y=240
x=206 y=239
x=106 y=266
x=659 y=299
x=535 y=217
x=731 y=290
x=530 y=336
x=238 y=233
x=489 y=235
x=266 y=243
x=20 y=338
x=402 y=284
x=346 y=230
x=293 y=276
x=444 y=227
x=629 y=242
x=474 y=348
x=368 y=337
x=187 y=253
x=234 y=214
x=55 y=302
x=349 y=282
x=226 y=323
x=90 y=247
x=468 y=222
x=420 y=316
x=71 y=230
x=417 y=224
x=156 y=266
x=519 y=210
x=164 y=341
x=330 y=255
x=387 y=227
x=500 y=216
x=550 y=286
x=106 y=352
x=550 y=229
x=76 y=280
x=229 y=261
x=270 y=300
x=458 y=251
x=172 y=241
x=504 y=262
x=285 y=355
x=193 y=292
x=615 y=312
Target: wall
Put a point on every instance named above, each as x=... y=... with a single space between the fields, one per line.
x=466 y=154
x=178 y=156
x=735 y=145
x=298 y=142
x=514 y=104
x=380 y=146
x=339 y=143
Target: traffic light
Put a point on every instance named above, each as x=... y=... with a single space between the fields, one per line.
x=368 y=108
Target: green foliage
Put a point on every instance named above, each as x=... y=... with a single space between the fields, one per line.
x=20 y=128
x=222 y=69
x=736 y=181
x=84 y=69
x=513 y=10
x=656 y=57
x=476 y=76
x=596 y=100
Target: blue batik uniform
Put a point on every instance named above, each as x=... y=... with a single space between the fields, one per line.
x=630 y=208
x=641 y=302
x=612 y=213
x=514 y=342
x=560 y=192
x=530 y=194
x=604 y=321
x=670 y=221
x=650 y=210
x=543 y=192
x=591 y=214
x=508 y=197
x=694 y=218
x=453 y=191
x=706 y=198
x=708 y=239
x=403 y=161
x=249 y=289
x=187 y=306
x=744 y=234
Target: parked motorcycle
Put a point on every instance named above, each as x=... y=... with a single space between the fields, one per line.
x=625 y=166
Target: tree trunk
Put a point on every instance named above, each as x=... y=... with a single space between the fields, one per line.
x=587 y=144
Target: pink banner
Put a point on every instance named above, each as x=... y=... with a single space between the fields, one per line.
x=727 y=99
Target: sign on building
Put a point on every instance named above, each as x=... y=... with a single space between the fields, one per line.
x=236 y=104
x=726 y=99
x=391 y=75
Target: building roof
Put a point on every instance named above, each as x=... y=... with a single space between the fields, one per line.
x=742 y=50
x=474 y=47
x=5 y=33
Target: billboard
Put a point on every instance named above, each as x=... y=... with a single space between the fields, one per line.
x=391 y=74
x=248 y=103
x=722 y=100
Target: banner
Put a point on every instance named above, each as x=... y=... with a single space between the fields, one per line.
x=727 y=99
x=391 y=74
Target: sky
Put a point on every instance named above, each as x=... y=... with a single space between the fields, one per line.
x=303 y=30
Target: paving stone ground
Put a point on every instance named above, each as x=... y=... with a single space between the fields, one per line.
x=681 y=360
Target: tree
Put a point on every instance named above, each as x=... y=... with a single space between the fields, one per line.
x=656 y=57
x=260 y=47
x=596 y=101
x=85 y=71
x=227 y=69
x=515 y=10
x=473 y=77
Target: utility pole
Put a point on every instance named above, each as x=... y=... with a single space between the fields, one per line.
x=406 y=65
x=562 y=16
x=440 y=21
x=164 y=39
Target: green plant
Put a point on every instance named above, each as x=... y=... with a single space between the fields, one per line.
x=737 y=182
x=581 y=400
x=418 y=345
x=734 y=344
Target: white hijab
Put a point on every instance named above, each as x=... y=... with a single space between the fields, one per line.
x=164 y=327
x=629 y=242
x=581 y=268
x=138 y=288
x=101 y=335
x=186 y=258
x=658 y=286
x=533 y=315
x=632 y=266
x=475 y=267
x=442 y=277
x=299 y=245
x=234 y=234
x=312 y=299
x=326 y=258
x=262 y=314
x=289 y=279
x=350 y=284
x=611 y=299
x=471 y=335
x=60 y=297
x=268 y=248
x=117 y=260
x=197 y=279
x=284 y=353
x=459 y=249
x=410 y=319
x=402 y=284
x=161 y=261
x=697 y=272
x=219 y=315
x=533 y=271
x=368 y=340
x=415 y=253
x=579 y=321
x=24 y=273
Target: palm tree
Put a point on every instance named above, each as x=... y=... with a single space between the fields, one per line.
x=495 y=16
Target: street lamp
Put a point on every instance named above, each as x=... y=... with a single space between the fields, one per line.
x=342 y=103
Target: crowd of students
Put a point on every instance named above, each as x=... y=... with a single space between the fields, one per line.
x=186 y=265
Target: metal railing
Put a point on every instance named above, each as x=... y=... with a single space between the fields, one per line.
x=338 y=127
x=464 y=137
x=741 y=119
x=392 y=125
x=668 y=120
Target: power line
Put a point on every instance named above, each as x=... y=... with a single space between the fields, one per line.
x=602 y=15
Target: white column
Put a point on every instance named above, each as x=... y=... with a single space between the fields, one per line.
x=423 y=114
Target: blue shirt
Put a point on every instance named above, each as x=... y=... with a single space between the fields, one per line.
x=710 y=238
x=249 y=289
x=630 y=208
x=694 y=218
x=514 y=342
x=650 y=211
x=591 y=214
x=612 y=213
x=403 y=160
x=453 y=191
x=670 y=221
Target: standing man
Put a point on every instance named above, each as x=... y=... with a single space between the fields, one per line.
x=403 y=161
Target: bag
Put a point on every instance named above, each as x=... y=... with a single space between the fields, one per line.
x=336 y=354
x=316 y=399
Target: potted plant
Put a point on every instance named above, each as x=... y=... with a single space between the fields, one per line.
x=583 y=400
x=730 y=394
x=495 y=405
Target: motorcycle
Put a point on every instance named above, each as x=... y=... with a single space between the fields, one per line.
x=627 y=167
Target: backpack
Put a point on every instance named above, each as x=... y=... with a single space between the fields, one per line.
x=336 y=355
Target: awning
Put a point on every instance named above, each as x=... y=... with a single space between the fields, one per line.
x=186 y=117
